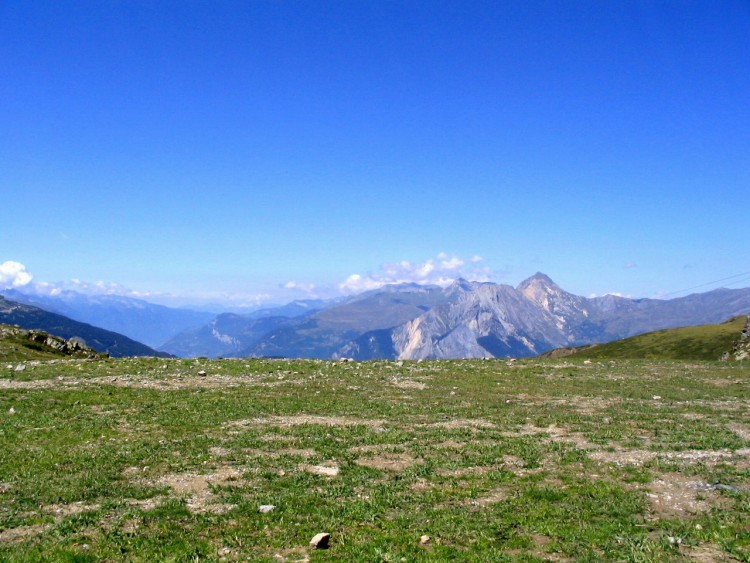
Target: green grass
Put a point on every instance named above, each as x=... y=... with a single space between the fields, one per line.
x=145 y=460
x=705 y=342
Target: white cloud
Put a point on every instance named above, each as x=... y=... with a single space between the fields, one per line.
x=306 y=287
x=13 y=274
x=296 y=289
x=442 y=270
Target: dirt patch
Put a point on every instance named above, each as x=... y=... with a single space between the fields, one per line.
x=709 y=457
x=218 y=451
x=540 y=542
x=369 y=448
x=161 y=381
x=408 y=384
x=450 y=445
x=706 y=553
x=623 y=457
x=197 y=488
x=677 y=496
x=554 y=433
x=70 y=509
x=147 y=503
x=464 y=471
x=742 y=430
x=300 y=452
x=279 y=438
x=421 y=485
x=36 y=384
x=636 y=457
x=463 y=423
x=492 y=497
x=389 y=461
x=299 y=420
x=22 y=533
x=291 y=555
x=583 y=405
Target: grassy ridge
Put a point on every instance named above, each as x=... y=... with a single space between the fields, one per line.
x=705 y=342
x=170 y=460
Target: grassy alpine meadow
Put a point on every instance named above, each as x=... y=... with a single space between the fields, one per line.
x=246 y=460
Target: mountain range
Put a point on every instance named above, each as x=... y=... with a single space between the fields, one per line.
x=404 y=321
x=463 y=320
x=138 y=319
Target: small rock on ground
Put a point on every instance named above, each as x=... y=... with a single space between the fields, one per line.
x=320 y=541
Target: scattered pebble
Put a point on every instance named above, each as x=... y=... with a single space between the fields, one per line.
x=20 y=367
x=11 y=410
x=674 y=540
x=266 y=508
x=202 y=373
x=424 y=540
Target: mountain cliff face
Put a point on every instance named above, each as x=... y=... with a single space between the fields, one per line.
x=323 y=333
x=492 y=320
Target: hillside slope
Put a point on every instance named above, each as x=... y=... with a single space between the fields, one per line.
x=703 y=342
x=137 y=319
x=105 y=341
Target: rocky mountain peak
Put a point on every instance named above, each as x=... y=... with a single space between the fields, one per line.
x=538 y=279
x=539 y=288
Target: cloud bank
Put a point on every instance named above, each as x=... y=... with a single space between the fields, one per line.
x=13 y=274
x=442 y=270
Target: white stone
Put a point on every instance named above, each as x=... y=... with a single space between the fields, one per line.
x=320 y=541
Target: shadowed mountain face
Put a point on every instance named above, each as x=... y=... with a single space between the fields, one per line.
x=105 y=341
x=464 y=320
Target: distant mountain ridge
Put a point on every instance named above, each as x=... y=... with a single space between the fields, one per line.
x=104 y=341
x=138 y=319
x=463 y=320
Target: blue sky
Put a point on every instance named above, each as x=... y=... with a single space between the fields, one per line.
x=275 y=149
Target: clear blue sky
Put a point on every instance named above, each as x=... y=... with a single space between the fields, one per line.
x=199 y=147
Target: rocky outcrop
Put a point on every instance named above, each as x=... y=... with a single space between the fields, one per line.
x=741 y=350
x=44 y=342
